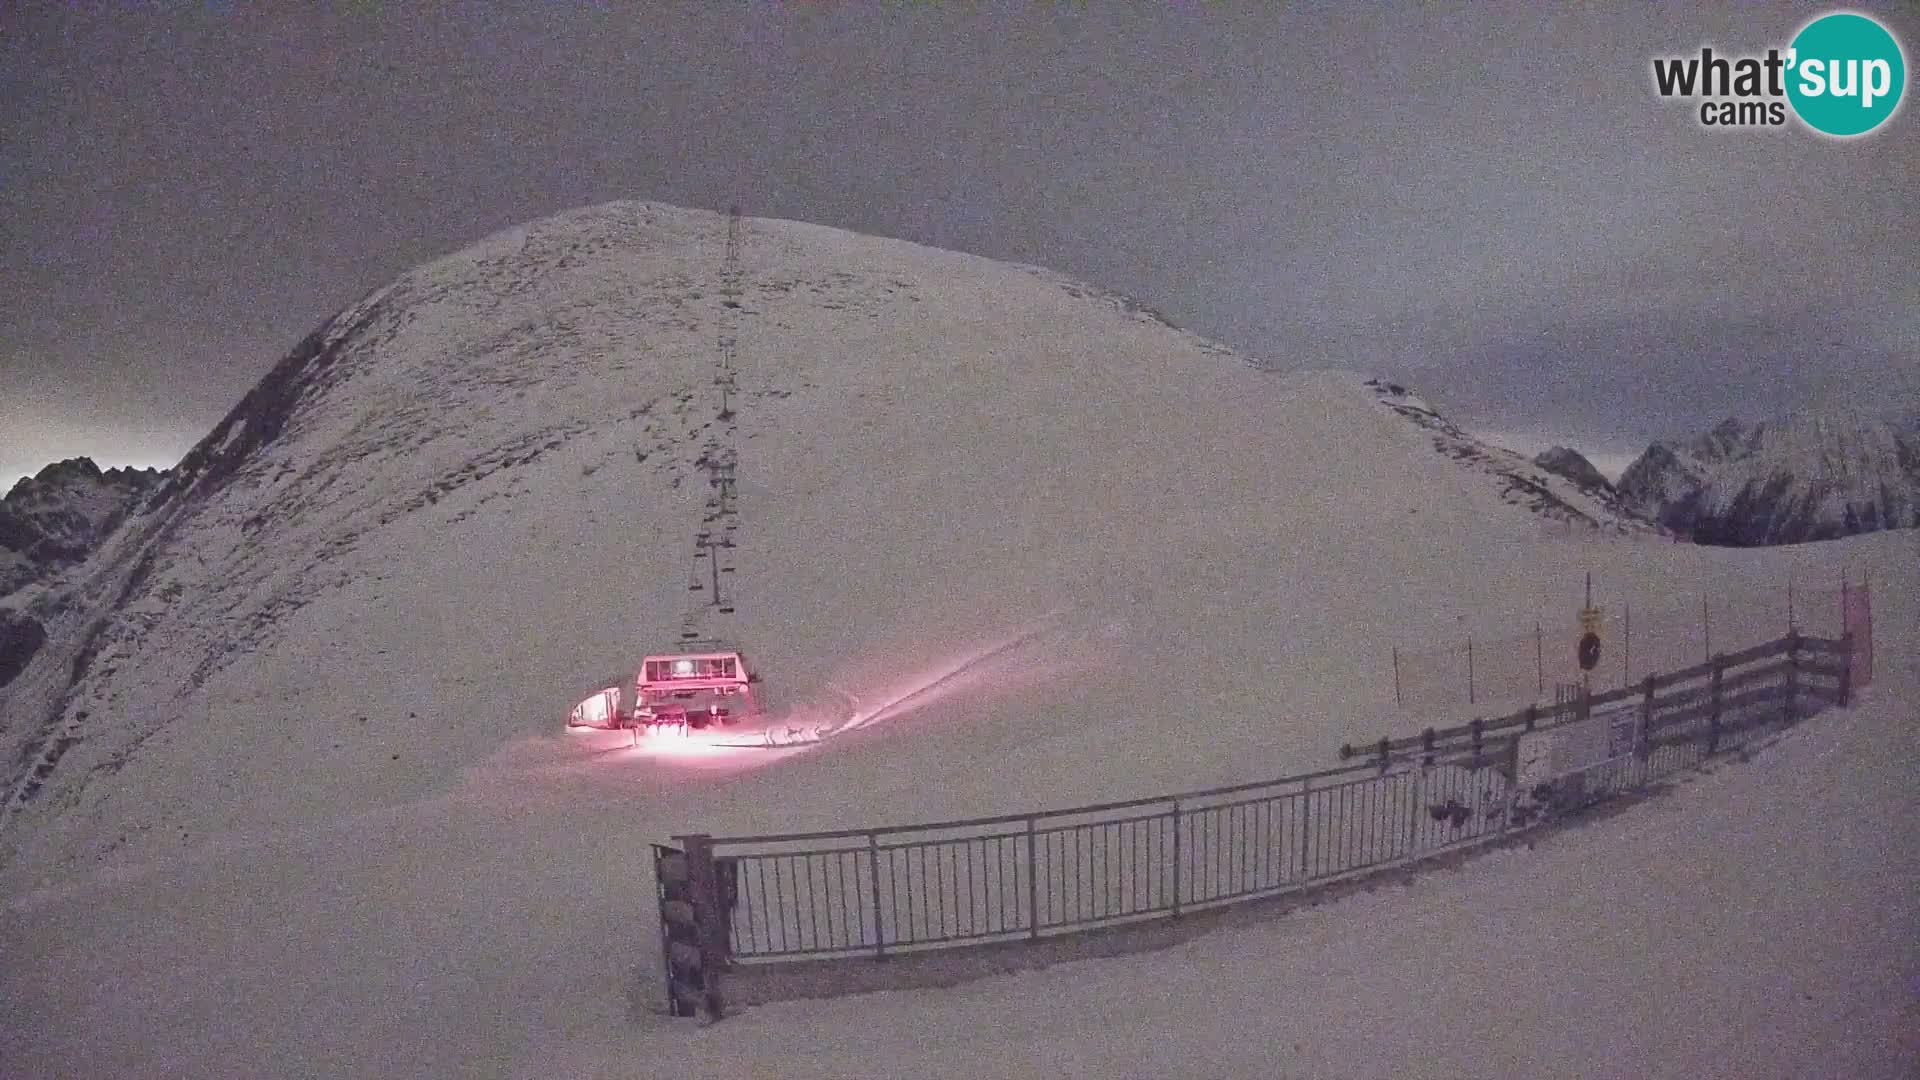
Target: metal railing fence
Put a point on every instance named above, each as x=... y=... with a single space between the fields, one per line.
x=882 y=891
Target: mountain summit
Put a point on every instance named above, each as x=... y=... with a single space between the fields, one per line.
x=457 y=505
x=53 y=519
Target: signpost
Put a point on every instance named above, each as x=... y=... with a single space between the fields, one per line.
x=1588 y=649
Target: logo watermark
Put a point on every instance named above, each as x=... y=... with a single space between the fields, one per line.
x=1843 y=75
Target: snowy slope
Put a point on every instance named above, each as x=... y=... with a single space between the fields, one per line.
x=1810 y=476
x=1544 y=485
x=305 y=808
x=1757 y=924
x=454 y=508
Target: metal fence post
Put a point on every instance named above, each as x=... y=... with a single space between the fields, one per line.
x=1306 y=828
x=873 y=892
x=1512 y=799
x=1176 y=858
x=1706 y=626
x=1846 y=668
x=1419 y=797
x=1626 y=645
x=1713 y=706
x=1033 y=883
x=1793 y=676
x=1646 y=712
x=1539 y=661
x=1469 y=670
x=703 y=891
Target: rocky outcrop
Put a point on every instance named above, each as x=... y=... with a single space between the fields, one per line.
x=55 y=519
x=1573 y=465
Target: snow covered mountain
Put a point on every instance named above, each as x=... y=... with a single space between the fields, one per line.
x=462 y=500
x=285 y=785
x=1806 y=477
x=52 y=520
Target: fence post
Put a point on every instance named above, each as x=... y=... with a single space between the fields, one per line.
x=1176 y=858
x=1419 y=804
x=873 y=895
x=1646 y=710
x=1469 y=670
x=1513 y=795
x=1706 y=625
x=1539 y=661
x=1476 y=727
x=1793 y=676
x=1866 y=625
x=1512 y=774
x=1626 y=645
x=1306 y=828
x=703 y=891
x=1846 y=668
x=1713 y=706
x=1033 y=883
x=1386 y=752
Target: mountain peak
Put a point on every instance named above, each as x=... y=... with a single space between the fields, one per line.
x=1573 y=465
x=1809 y=476
x=54 y=518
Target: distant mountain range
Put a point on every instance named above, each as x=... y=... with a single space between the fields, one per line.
x=54 y=519
x=1812 y=476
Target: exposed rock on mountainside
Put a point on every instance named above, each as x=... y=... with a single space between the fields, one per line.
x=1806 y=477
x=1573 y=465
x=52 y=520
x=1545 y=491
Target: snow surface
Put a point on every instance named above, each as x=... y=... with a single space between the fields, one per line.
x=1758 y=922
x=320 y=819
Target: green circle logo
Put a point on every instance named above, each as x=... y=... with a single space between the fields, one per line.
x=1845 y=74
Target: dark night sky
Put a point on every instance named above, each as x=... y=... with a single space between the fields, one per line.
x=1490 y=204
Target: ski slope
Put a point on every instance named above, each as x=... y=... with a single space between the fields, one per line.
x=470 y=496
x=318 y=817
x=1756 y=923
